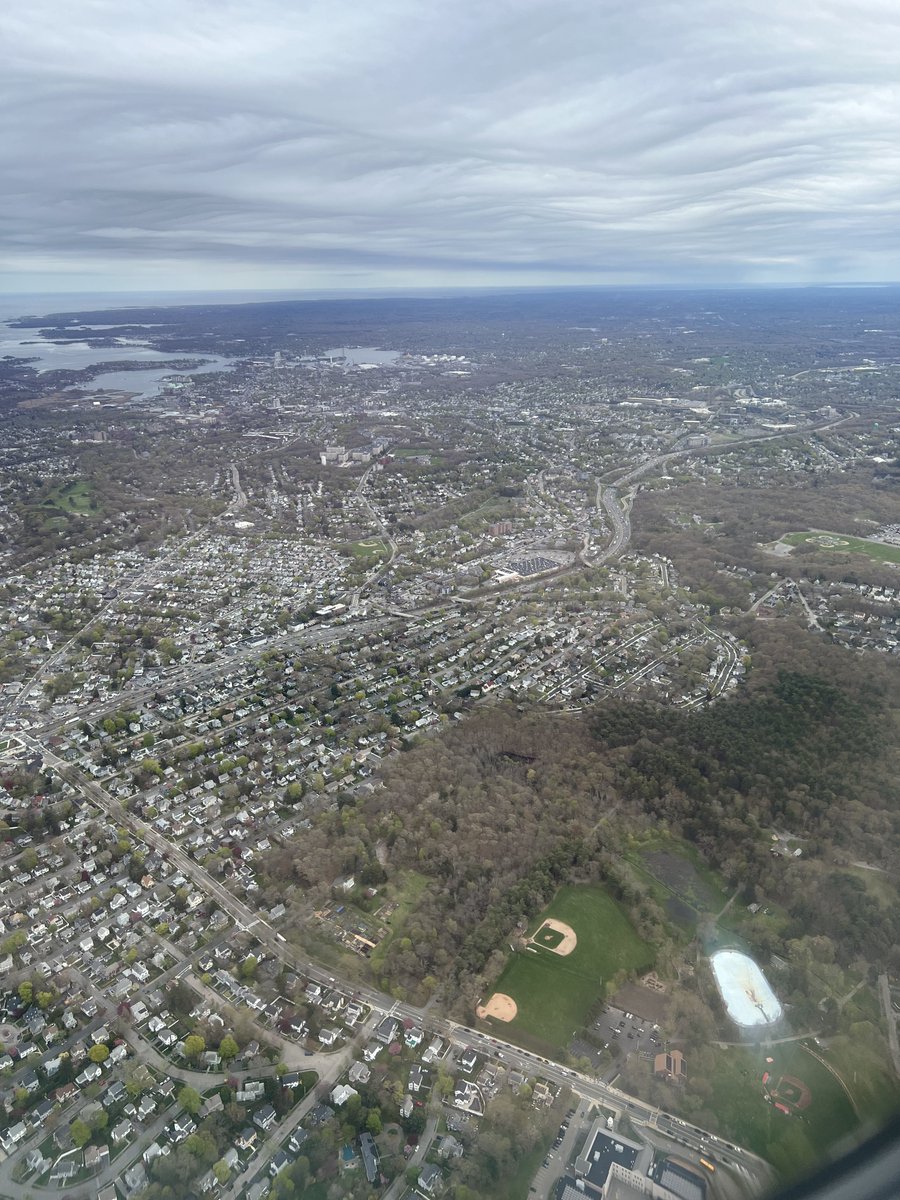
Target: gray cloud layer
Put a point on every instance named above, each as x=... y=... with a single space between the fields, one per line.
x=369 y=142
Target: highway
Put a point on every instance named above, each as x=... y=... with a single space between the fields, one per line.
x=240 y=496
x=614 y=500
x=620 y=523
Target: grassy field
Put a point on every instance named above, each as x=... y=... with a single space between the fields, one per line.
x=792 y=1143
x=372 y=549
x=845 y=543
x=554 y=995
x=406 y=895
x=678 y=878
x=71 y=498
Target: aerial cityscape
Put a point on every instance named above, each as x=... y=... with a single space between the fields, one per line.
x=448 y=744
x=449 y=600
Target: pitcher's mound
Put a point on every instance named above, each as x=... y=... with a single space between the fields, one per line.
x=500 y=1006
x=556 y=936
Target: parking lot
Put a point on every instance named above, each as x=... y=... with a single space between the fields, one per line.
x=554 y=1165
x=631 y=1032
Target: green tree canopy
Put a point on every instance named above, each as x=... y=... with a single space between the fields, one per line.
x=228 y=1048
x=190 y=1099
x=81 y=1133
x=194 y=1045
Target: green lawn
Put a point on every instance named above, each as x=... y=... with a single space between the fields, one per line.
x=845 y=543
x=366 y=553
x=555 y=994
x=861 y=1060
x=792 y=1143
x=71 y=498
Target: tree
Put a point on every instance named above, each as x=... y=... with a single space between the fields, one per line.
x=99 y=1053
x=228 y=1048
x=222 y=1171
x=248 y=966
x=415 y=1122
x=99 y=1121
x=26 y=991
x=81 y=1133
x=14 y=942
x=445 y=1082
x=202 y=1144
x=194 y=1045
x=190 y=1100
x=373 y=1122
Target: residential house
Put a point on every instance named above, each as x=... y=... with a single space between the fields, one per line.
x=434 y=1051
x=96 y=1157
x=416 y=1079
x=135 y=1179
x=341 y=1094
x=369 y=1152
x=279 y=1162
x=246 y=1139
x=359 y=1072
x=468 y=1060
x=386 y=1030
x=429 y=1178
x=449 y=1147
x=265 y=1118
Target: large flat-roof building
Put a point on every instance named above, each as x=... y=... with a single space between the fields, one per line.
x=602 y=1149
x=681 y=1179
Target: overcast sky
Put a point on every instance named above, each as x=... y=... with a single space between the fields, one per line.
x=371 y=143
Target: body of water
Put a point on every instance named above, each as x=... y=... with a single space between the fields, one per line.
x=76 y=356
x=148 y=383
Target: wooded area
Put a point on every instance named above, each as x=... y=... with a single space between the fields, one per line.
x=496 y=813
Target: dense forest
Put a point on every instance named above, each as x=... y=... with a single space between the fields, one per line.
x=496 y=812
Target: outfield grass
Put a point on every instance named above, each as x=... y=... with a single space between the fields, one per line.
x=792 y=1143
x=848 y=545
x=555 y=994
x=862 y=1061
